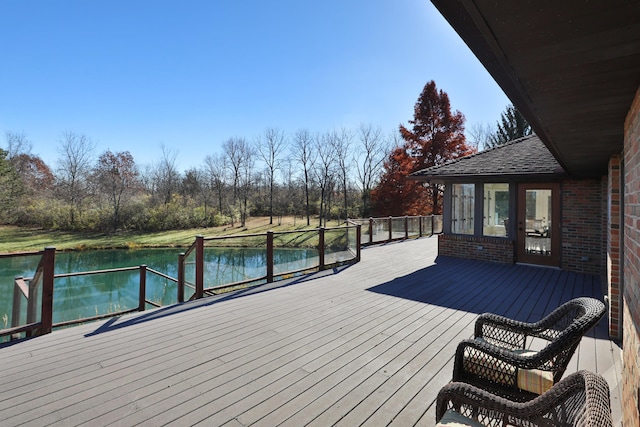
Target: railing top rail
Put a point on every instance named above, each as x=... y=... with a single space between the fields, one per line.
x=86 y=273
x=310 y=230
x=191 y=249
x=164 y=276
x=238 y=236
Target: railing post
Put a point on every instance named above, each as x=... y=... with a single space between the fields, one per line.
x=370 y=230
x=143 y=288
x=199 y=267
x=420 y=218
x=358 y=241
x=432 y=225
x=321 y=248
x=48 y=271
x=390 y=222
x=406 y=227
x=181 y=277
x=269 y=256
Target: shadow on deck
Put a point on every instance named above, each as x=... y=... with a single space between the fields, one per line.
x=522 y=292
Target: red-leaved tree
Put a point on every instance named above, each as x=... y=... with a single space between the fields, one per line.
x=436 y=135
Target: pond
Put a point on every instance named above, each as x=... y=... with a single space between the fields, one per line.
x=85 y=296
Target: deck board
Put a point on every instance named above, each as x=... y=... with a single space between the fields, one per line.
x=368 y=344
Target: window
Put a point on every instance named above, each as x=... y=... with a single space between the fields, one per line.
x=496 y=210
x=462 y=208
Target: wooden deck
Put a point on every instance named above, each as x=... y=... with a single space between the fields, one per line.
x=370 y=344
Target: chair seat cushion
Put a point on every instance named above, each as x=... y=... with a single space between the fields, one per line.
x=455 y=419
x=535 y=380
x=486 y=366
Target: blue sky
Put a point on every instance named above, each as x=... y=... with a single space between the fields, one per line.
x=135 y=75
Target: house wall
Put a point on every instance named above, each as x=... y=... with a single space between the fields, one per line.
x=478 y=248
x=583 y=232
x=582 y=226
x=631 y=268
x=613 y=245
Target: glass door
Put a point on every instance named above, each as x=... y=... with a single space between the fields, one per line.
x=538 y=236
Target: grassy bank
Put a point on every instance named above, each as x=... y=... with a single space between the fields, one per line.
x=17 y=239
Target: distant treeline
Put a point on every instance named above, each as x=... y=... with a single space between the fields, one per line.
x=318 y=176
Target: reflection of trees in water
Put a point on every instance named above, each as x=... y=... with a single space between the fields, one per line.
x=89 y=295
x=231 y=265
x=85 y=296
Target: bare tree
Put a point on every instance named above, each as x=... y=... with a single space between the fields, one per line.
x=369 y=159
x=341 y=142
x=74 y=166
x=246 y=181
x=303 y=153
x=480 y=135
x=325 y=172
x=215 y=170
x=117 y=176
x=289 y=198
x=166 y=177
x=233 y=148
x=238 y=153
x=270 y=147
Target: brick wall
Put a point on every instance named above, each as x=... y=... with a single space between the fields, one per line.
x=478 y=248
x=613 y=247
x=582 y=226
x=631 y=274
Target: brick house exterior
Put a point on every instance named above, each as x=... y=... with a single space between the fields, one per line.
x=582 y=205
x=573 y=70
x=631 y=262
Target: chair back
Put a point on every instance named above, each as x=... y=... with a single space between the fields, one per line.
x=564 y=328
x=576 y=316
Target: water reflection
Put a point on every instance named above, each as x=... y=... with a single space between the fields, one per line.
x=84 y=296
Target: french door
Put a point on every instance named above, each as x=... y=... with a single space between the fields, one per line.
x=538 y=224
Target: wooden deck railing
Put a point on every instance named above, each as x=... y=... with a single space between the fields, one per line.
x=381 y=230
x=350 y=240
x=43 y=280
x=194 y=256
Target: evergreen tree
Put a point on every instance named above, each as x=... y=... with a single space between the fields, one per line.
x=512 y=125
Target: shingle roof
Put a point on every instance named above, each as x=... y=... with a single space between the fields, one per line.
x=523 y=157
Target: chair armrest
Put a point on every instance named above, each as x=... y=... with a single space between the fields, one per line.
x=503 y=331
x=532 y=360
x=581 y=395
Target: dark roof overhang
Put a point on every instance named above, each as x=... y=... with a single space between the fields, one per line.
x=571 y=67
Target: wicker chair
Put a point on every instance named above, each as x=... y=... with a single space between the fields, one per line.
x=580 y=399
x=498 y=358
